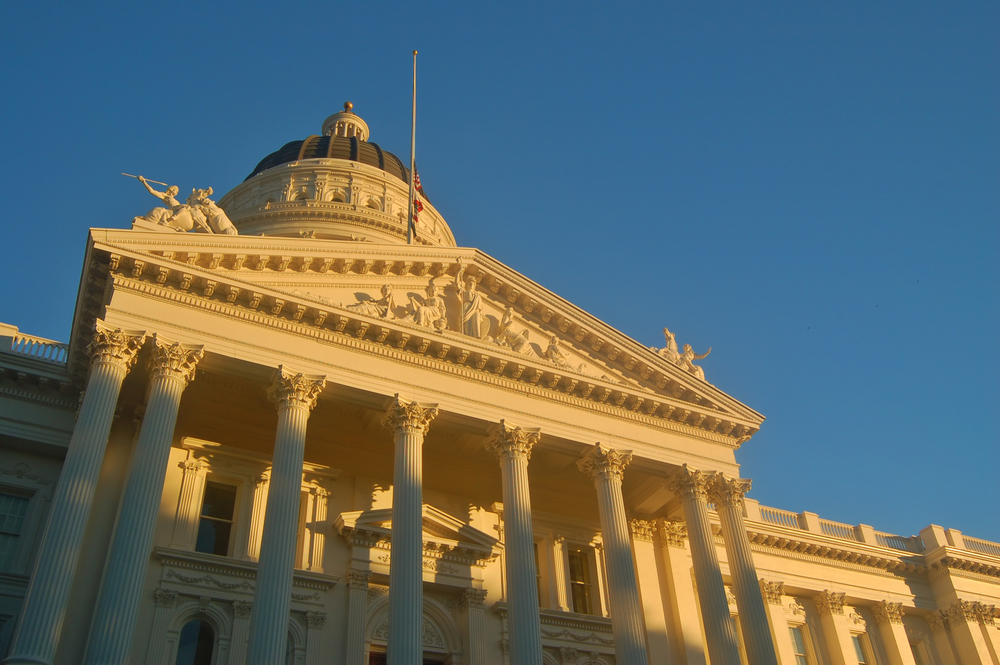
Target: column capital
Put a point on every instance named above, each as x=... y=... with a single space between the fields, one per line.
x=474 y=598
x=315 y=619
x=672 y=533
x=405 y=416
x=642 y=529
x=241 y=609
x=936 y=620
x=689 y=483
x=887 y=612
x=289 y=389
x=512 y=440
x=772 y=591
x=604 y=463
x=970 y=612
x=164 y=598
x=358 y=579
x=174 y=360
x=726 y=491
x=829 y=602
x=115 y=346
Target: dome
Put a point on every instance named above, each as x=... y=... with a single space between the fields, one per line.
x=338 y=186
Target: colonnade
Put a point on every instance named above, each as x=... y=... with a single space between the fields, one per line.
x=172 y=367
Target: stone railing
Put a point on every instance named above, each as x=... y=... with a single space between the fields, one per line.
x=39 y=348
x=838 y=529
x=779 y=517
x=811 y=522
x=981 y=546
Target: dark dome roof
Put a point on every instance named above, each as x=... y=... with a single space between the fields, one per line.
x=335 y=147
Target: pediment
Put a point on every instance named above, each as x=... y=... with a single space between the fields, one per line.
x=522 y=332
x=443 y=534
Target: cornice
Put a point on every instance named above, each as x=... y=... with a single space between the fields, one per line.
x=531 y=300
x=448 y=352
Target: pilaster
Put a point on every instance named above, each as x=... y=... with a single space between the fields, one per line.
x=241 y=630
x=474 y=602
x=314 y=638
x=889 y=617
x=357 y=607
x=192 y=488
x=965 y=619
x=772 y=593
x=112 y=353
x=833 y=623
x=939 y=633
x=681 y=592
x=644 y=550
x=165 y=601
x=512 y=446
x=260 y=486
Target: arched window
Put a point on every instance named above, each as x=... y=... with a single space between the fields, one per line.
x=196 y=644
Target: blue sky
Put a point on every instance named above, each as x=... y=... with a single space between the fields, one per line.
x=810 y=190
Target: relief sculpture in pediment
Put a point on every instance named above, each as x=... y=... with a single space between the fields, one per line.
x=516 y=341
x=432 y=312
x=380 y=309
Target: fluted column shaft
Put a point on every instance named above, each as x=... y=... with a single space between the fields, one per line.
x=409 y=422
x=512 y=446
x=171 y=367
x=606 y=467
x=295 y=395
x=727 y=493
x=112 y=353
x=720 y=633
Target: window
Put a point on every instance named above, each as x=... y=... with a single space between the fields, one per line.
x=538 y=578
x=215 y=526
x=860 y=650
x=580 y=585
x=799 y=645
x=13 y=508
x=196 y=644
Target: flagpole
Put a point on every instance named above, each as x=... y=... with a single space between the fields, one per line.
x=410 y=226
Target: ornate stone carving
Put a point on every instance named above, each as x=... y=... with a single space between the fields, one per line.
x=683 y=360
x=295 y=390
x=642 y=529
x=554 y=354
x=673 y=533
x=241 y=609
x=829 y=602
x=688 y=482
x=383 y=308
x=512 y=440
x=970 y=612
x=887 y=612
x=796 y=608
x=726 y=491
x=730 y=596
x=315 y=619
x=198 y=211
x=404 y=416
x=772 y=591
x=568 y=655
x=474 y=322
x=516 y=341
x=174 y=360
x=115 y=346
x=432 y=312
x=936 y=620
x=358 y=579
x=602 y=462
x=204 y=602
x=474 y=598
x=857 y=619
x=164 y=598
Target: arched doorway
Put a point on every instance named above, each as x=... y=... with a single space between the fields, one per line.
x=196 y=645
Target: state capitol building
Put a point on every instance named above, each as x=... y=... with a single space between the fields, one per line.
x=281 y=434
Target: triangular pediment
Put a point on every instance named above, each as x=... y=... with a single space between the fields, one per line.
x=442 y=533
x=418 y=299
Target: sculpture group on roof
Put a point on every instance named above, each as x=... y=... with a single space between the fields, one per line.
x=683 y=360
x=198 y=211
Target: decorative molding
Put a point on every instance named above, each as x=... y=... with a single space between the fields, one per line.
x=830 y=602
x=604 y=463
x=242 y=609
x=403 y=416
x=689 y=483
x=164 y=598
x=474 y=598
x=174 y=360
x=512 y=440
x=358 y=579
x=672 y=533
x=936 y=620
x=115 y=346
x=772 y=591
x=290 y=390
x=315 y=619
x=726 y=491
x=887 y=612
x=857 y=619
x=642 y=529
x=796 y=608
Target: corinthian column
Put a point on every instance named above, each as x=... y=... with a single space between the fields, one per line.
x=512 y=445
x=409 y=422
x=171 y=367
x=691 y=486
x=112 y=353
x=727 y=493
x=606 y=467
x=295 y=396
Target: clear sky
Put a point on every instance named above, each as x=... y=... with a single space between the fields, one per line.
x=811 y=189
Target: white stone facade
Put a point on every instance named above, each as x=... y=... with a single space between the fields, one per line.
x=236 y=420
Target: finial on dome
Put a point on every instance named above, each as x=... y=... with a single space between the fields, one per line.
x=346 y=124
